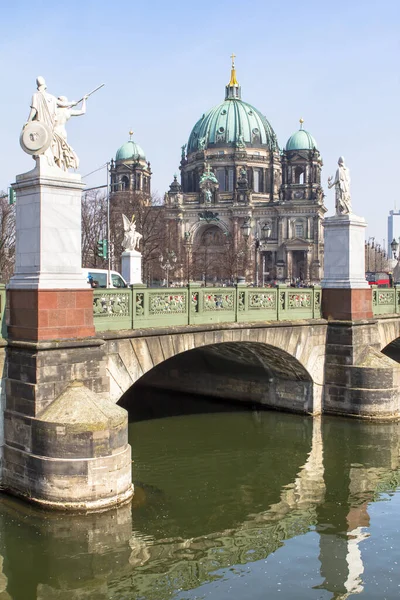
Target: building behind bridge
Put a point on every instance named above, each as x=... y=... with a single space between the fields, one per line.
x=243 y=206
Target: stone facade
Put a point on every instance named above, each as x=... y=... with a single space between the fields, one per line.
x=235 y=177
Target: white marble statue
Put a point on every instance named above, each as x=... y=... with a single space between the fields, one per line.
x=131 y=236
x=64 y=155
x=342 y=188
x=44 y=132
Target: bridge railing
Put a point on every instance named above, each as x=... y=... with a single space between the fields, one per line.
x=385 y=300
x=140 y=307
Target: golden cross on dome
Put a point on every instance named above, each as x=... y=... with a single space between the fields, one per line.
x=301 y=121
x=233 y=56
x=130 y=134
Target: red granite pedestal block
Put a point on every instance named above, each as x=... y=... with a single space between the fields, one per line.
x=347 y=304
x=37 y=315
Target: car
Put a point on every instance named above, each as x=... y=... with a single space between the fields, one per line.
x=97 y=278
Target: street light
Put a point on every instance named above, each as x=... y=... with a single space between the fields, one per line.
x=266 y=229
x=187 y=244
x=394 y=246
x=266 y=232
x=246 y=228
x=168 y=263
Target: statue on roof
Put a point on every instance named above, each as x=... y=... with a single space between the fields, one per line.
x=240 y=143
x=342 y=188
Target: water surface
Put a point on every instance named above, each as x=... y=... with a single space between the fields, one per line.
x=228 y=505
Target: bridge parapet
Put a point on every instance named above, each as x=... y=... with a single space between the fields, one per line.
x=140 y=307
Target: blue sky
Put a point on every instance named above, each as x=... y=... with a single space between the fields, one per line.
x=336 y=64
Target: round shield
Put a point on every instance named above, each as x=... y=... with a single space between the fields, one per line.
x=35 y=138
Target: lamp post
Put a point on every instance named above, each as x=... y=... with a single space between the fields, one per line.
x=370 y=247
x=377 y=250
x=168 y=263
x=266 y=233
x=187 y=246
x=394 y=246
x=246 y=229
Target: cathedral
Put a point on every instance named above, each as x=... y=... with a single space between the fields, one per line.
x=245 y=209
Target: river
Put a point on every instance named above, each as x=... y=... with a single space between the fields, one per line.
x=229 y=504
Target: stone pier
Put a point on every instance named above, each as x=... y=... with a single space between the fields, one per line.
x=65 y=442
x=359 y=380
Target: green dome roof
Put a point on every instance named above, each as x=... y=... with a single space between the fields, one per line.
x=233 y=122
x=301 y=140
x=130 y=151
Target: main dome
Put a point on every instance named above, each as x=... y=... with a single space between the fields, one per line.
x=233 y=122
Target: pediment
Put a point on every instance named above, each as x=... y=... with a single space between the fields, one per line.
x=296 y=242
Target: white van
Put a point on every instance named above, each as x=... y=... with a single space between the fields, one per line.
x=97 y=278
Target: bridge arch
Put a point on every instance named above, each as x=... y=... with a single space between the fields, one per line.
x=292 y=355
x=388 y=331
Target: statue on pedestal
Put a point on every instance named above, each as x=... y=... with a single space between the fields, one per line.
x=44 y=132
x=342 y=188
x=131 y=236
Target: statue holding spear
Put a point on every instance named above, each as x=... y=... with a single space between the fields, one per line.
x=45 y=132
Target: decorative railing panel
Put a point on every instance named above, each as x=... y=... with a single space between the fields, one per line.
x=141 y=307
x=112 y=309
x=160 y=307
x=385 y=300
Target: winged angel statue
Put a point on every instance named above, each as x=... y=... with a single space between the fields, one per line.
x=131 y=236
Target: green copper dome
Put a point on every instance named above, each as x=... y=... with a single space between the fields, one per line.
x=233 y=122
x=301 y=140
x=130 y=151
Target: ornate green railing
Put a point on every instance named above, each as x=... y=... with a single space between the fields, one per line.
x=141 y=307
x=385 y=300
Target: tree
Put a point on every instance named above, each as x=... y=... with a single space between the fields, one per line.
x=150 y=222
x=94 y=227
x=376 y=258
x=7 y=238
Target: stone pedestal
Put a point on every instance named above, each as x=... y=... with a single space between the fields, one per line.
x=131 y=266
x=344 y=254
x=48 y=296
x=48 y=230
x=346 y=293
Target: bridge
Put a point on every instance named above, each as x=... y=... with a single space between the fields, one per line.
x=274 y=347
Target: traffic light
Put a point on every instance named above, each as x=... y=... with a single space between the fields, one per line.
x=102 y=248
x=12 y=195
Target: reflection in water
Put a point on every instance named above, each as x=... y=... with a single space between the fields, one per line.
x=213 y=492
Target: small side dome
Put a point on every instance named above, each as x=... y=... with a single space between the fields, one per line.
x=301 y=140
x=130 y=151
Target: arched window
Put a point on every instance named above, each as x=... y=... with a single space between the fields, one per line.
x=299 y=175
x=125 y=183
